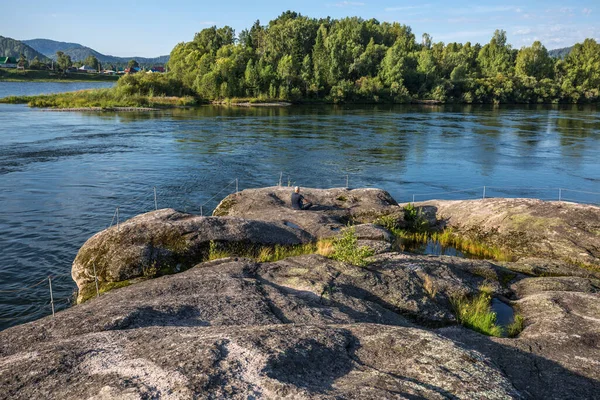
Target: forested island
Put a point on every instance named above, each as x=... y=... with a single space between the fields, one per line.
x=306 y=60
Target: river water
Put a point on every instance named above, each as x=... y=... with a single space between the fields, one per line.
x=63 y=174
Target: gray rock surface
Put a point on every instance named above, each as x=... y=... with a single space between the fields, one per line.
x=304 y=327
x=332 y=210
x=167 y=240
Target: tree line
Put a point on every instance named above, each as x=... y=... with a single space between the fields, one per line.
x=298 y=58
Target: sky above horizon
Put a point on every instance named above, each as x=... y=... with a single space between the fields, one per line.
x=152 y=28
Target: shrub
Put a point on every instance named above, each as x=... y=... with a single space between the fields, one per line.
x=346 y=249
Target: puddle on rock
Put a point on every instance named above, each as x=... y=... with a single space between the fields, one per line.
x=504 y=313
x=291 y=225
x=433 y=248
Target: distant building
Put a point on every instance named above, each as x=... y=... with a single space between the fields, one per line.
x=157 y=69
x=132 y=70
x=71 y=69
x=8 y=62
x=108 y=72
x=86 y=68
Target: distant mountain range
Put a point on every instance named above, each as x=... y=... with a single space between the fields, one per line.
x=46 y=49
x=78 y=52
x=14 y=48
x=560 y=53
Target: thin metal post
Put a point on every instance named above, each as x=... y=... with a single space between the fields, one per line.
x=559 y=194
x=280 y=178
x=118 y=229
x=201 y=213
x=236 y=185
x=484 y=192
x=155 y=202
x=51 y=297
x=413 y=199
x=347 y=178
x=96 y=279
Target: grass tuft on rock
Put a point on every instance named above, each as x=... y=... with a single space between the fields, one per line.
x=476 y=312
x=516 y=326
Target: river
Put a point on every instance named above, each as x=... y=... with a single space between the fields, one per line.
x=63 y=174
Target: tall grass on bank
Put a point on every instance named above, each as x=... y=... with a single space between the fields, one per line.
x=269 y=253
x=141 y=90
x=344 y=248
x=418 y=232
x=103 y=98
x=476 y=313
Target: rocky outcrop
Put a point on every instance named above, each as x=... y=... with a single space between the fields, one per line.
x=333 y=208
x=530 y=229
x=309 y=327
x=305 y=327
x=167 y=241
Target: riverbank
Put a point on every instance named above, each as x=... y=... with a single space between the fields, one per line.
x=99 y=99
x=13 y=75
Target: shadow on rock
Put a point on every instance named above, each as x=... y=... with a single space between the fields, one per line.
x=150 y=316
x=313 y=365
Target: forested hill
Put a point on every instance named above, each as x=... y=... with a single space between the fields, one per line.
x=303 y=59
x=560 y=53
x=14 y=48
x=78 y=52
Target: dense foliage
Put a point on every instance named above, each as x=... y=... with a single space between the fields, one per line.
x=304 y=59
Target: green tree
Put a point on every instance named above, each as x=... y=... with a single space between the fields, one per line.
x=534 y=61
x=495 y=57
x=132 y=64
x=93 y=62
x=252 y=79
x=22 y=61
x=35 y=63
x=63 y=61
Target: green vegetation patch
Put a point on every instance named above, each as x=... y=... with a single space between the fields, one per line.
x=346 y=249
x=141 y=90
x=476 y=313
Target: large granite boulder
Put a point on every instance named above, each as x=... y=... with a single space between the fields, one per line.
x=333 y=208
x=530 y=229
x=167 y=241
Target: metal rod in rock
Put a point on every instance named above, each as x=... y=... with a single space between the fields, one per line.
x=51 y=297
x=280 y=178
x=118 y=229
x=155 y=202
x=236 y=185
x=347 y=179
x=413 y=199
x=201 y=213
x=96 y=280
x=559 y=194
x=483 y=192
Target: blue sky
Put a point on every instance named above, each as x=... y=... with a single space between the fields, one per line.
x=151 y=28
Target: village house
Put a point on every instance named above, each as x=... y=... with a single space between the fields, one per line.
x=86 y=68
x=8 y=62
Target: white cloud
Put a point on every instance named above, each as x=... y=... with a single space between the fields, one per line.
x=349 y=4
x=207 y=23
x=407 y=8
x=525 y=31
x=587 y=11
